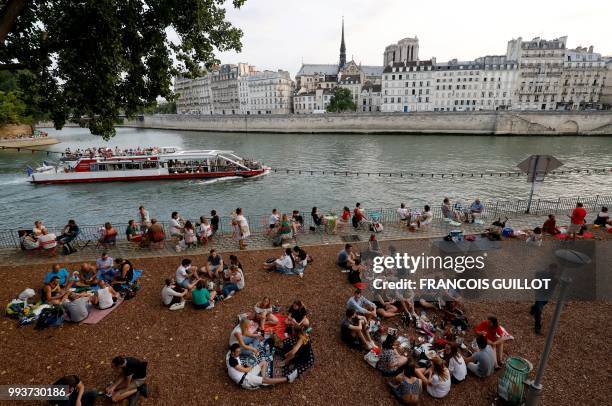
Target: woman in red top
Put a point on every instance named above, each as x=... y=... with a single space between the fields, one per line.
x=577 y=220
x=550 y=226
x=494 y=334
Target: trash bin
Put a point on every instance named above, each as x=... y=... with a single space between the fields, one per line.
x=511 y=386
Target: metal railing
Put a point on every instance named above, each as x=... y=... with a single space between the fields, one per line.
x=9 y=238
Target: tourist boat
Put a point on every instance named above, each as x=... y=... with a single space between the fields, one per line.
x=158 y=164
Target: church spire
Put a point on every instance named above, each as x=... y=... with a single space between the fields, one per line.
x=342 y=49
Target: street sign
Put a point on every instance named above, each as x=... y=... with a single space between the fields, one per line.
x=537 y=166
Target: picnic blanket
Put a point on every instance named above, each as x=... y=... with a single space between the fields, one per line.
x=302 y=361
x=279 y=328
x=96 y=315
x=564 y=236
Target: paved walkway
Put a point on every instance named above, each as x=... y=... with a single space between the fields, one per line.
x=225 y=243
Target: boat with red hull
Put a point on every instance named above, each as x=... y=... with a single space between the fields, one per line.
x=167 y=163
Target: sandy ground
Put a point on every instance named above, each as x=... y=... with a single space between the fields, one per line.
x=185 y=349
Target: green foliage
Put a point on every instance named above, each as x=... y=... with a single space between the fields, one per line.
x=13 y=109
x=342 y=100
x=92 y=60
x=162 y=108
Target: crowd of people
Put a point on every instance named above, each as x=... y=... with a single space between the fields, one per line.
x=107 y=152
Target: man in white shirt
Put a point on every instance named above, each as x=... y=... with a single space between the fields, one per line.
x=145 y=219
x=185 y=273
x=273 y=221
x=404 y=213
x=245 y=232
x=176 y=225
x=251 y=377
x=284 y=264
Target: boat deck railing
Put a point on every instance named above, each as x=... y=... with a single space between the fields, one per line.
x=258 y=223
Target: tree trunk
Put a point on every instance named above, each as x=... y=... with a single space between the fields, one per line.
x=11 y=11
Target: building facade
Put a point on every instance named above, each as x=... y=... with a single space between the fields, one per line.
x=582 y=80
x=266 y=92
x=194 y=95
x=314 y=102
x=370 y=99
x=606 y=90
x=406 y=50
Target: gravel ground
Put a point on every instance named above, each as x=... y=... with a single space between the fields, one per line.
x=185 y=349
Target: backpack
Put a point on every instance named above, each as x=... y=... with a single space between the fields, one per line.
x=50 y=317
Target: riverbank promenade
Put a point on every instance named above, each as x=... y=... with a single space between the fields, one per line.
x=89 y=249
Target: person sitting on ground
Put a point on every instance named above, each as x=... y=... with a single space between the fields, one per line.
x=354 y=274
x=251 y=377
x=47 y=240
x=189 y=235
x=482 y=362
x=233 y=260
x=301 y=260
x=79 y=305
x=550 y=226
x=273 y=222
x=132 y=233
x=52 y=293
x=155 y=233
x=104 y=267
x=38 y=228
x=125 y=271
x=76 y=393
x=131 y=380
x=173 y=295
x=107 y=296
x=88 y=275
x=475 y=210
x=108 y=234
x=495 y=336
x=355 y=332
x=263 y=313
x=214 y=265
x=202 y=297
x=577 y=221
x=404 y=213
x=69 y=234
x=235 y=283
x=298 y=353
x=437 y=379
x=205 y=231
x=386 y=305
x=61 y=273
x=603 y=218
x=361 y=305
x=284 y=264
x=186 y=275
x=534 y=236
x=346 y=257
x=296 y=317
x=176 y=225
x=390 y=361
x=456 y=364
x=241 y=335
x=407 y=387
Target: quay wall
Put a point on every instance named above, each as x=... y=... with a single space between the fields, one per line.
x=486 y=123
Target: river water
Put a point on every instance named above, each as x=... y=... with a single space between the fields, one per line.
x=118 y=202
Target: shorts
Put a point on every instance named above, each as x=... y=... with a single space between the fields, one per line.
x=185 y=284
x=253 y=379
x=136 y=383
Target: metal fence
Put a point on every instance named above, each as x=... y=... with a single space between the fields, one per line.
x=259 y=223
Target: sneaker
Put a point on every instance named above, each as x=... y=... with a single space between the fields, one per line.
x=144 y=390
x=291 y=377
x=178 y=306
x=301 y=274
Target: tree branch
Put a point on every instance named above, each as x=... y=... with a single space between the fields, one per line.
x=11 y=11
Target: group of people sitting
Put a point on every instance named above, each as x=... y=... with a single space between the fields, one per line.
x=291 y=262
x=188 y=234
x=41 y=238
x=411 y=369
x=100 y=285
x=456 y=212
x=205 y=285
x=257 y=336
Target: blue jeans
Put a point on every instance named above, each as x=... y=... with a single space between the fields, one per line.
x=229 y=288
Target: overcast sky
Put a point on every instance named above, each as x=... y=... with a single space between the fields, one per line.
x=280 y=34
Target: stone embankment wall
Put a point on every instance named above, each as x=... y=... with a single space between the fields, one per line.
x=495 y=122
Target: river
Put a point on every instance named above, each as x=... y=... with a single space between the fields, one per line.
x=95 y=203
